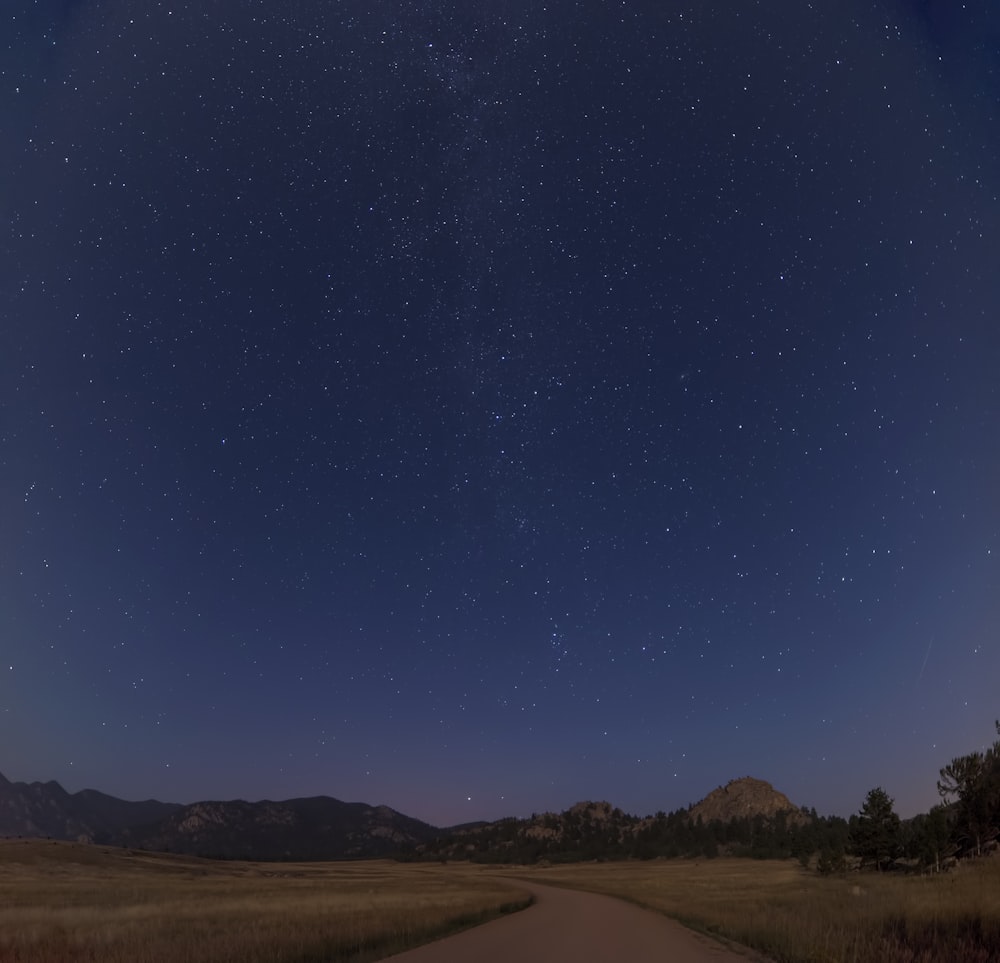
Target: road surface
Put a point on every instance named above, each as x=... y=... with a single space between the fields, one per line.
x=567 y=926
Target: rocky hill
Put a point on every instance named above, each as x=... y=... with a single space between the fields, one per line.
x=747 y=817
x=744 y=799
x=588 y=830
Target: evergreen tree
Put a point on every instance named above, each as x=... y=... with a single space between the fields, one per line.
x=875 y=832
x=974 y=783
x=931 y=835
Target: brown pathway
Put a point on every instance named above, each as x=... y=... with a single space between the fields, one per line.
x=567 y=926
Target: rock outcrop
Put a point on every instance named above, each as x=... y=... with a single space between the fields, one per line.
x=744 y=798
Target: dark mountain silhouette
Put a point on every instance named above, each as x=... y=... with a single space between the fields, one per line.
x=314 y=828
x=296 y=829
x=745 y=817
x=46 y=809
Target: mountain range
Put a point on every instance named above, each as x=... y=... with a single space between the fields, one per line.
x=46 y=809
x=294 y=829
x=321 y=827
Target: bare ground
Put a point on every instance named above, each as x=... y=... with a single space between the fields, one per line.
x=568 y=926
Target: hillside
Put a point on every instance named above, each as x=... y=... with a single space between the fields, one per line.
x=296 y=829
x=747 y=817
x=315 y=828
x=744 y=798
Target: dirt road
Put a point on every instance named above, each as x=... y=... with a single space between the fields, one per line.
x=565 y=926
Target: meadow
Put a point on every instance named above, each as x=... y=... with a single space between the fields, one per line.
x=69 y=903
x=793 y=915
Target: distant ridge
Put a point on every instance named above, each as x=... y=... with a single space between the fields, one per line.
x=324 y=828
x=46 y=809
x=296 y=829
x=318 y=827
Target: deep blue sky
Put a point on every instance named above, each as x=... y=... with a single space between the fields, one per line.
x=475 y=408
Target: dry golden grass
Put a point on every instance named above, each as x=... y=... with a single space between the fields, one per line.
x=793 y=915
x=81 y=904
x=66 y=903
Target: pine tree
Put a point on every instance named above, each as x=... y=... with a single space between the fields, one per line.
x=974 y=782
x=875 y=832
x=934 y=837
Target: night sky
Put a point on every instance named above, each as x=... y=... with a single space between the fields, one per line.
x=479 y=407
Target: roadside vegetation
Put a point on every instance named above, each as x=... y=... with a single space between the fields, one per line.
x=68 y=903
x=792 y=914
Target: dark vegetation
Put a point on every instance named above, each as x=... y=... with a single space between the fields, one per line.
x=598 y=832
x=966 y=824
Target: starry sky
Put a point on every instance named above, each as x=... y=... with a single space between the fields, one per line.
x=479 y=407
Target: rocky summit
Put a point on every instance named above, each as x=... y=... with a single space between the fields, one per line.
x=741 y=799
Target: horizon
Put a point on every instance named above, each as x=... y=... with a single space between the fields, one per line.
x=637 y=812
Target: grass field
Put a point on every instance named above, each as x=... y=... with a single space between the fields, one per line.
x=793 y=915
x=67 y=903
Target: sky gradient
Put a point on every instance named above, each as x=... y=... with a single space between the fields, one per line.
x=476 y=408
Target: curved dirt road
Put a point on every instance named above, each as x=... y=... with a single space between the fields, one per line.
x=567 y=926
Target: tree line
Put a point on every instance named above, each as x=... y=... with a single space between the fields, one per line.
x=577 y=836
x=965 y=823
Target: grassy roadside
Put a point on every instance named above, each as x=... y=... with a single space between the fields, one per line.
x=66 y=903
x=792 y=915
